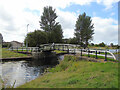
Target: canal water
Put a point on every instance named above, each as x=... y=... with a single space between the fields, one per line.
x=20 y=72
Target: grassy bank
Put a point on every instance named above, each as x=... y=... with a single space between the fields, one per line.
x=100 y=57
x=93 y=47
x=103 y=53
x=117 y=53
x=75 y=73
x=9 y=54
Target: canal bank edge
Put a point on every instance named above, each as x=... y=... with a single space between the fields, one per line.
x=16 y=58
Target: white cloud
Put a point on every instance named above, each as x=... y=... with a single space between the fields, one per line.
x=112 y=14
x=107 y=3
x=106 y=30
x=14 y=18
x=67 y=19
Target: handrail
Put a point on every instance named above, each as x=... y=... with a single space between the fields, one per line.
x=64 y=47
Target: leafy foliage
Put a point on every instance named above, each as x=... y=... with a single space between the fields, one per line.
x=102 y=44
x=6 y=45
x=49 y=25
x=36 y=38
x=1 y=38
x=84 y=29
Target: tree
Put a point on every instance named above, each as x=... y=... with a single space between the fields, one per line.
x=1 y=38
x=57 y=34
x=72 y=40
x=6 y=45
x=102 y=44
x=36 y=38
x=112 y=45
x=92 y=44
x=84 y=29
x=50 y=26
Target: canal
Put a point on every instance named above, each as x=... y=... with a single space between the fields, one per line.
x=23 y=71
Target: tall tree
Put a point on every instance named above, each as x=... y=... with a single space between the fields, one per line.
x=50 y=26
x=84 y=29
x=57 y=34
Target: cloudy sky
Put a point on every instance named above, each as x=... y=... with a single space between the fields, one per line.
x=16 y=14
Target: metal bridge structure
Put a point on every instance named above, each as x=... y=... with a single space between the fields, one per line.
x=69 y=48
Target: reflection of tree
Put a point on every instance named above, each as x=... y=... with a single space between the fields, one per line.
x=46 y=59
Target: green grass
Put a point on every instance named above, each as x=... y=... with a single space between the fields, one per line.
x=57 y=51
x=93 y=47
x=117 y=53
x=71 y=73
x=23 y=50
x=9 y=54
x=103 y=53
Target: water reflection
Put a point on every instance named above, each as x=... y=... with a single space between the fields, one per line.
x=21 y=71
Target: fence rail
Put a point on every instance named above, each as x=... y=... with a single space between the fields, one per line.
x=69 y=48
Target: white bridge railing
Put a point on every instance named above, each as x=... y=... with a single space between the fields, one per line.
x=66 y=47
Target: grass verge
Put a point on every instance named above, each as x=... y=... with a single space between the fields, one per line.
x=9 y=54
x=72 y=73
x=100 y=57
x=94 y=47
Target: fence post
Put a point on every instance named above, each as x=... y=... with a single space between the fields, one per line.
x=43 y=47
x=17 y=49
x=105 y=56
x=58 y=47
x=54 y=47
x=50 y=47
x=63 y=47
x=81 y=52
x=99 y=52
x=88 y=53
x=37 y=49
x=116 y=50
x=26 y=49
x=74 y=50
x=96 y=54
x=22 y=49
x=12 y=48
x=67 y=49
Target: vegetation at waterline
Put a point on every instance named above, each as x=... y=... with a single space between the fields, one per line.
x=75 y=73
x=10 y=54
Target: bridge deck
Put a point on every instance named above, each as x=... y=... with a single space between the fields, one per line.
x=70 y=48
